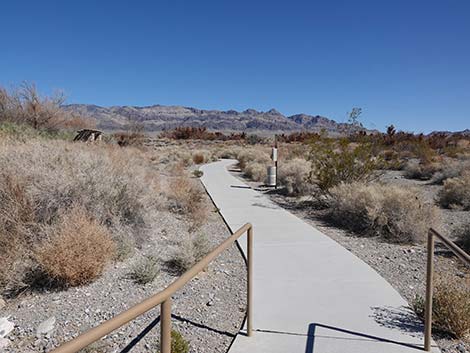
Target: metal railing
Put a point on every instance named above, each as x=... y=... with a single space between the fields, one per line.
x=163 y=298
x=462 y=255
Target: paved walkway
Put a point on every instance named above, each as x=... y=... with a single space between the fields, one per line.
x=310 y=294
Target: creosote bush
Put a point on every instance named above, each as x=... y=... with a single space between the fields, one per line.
x=450 y=306
x=78 y=249
x=397 y=214
x=334 y=163
x=145 y=270
x=456 y=192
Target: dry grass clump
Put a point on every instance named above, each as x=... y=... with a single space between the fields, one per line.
x=456 y=192
x=77 y=250
x=252 y=155
x=202 y=156
x=294 y=175
x=146 y=270
x=451 y=168
x=255 y=171
x=189 y=252
x=451 y=306
x=42 y=180
x=397 y=214
x=416 y=170
x=185 y=197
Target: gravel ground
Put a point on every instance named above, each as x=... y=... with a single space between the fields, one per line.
x=208 y=311
x=403 y=266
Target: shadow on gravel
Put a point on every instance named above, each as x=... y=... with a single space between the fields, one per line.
x=155 y=322
x=402 y=319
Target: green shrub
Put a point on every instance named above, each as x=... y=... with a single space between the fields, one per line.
x=178 y=343
x=344 y=163
x=198 y=173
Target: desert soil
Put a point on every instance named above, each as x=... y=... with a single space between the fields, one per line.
x=208 y=311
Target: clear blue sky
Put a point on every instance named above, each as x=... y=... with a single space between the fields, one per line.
x=405 y=62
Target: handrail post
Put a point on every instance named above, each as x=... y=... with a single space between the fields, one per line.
x=249 y=311
x=429 y=290
x=165 y=326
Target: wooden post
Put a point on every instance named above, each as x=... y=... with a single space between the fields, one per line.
x=165 y=326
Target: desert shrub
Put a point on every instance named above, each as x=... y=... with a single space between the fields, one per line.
x=17 y=230
x=294 y=175
x=397 y=214
x=78 y=249
x=254 y=139
x=255 y=171
x=186 y=198
x=110 y=183
x=124 y=139
x=25 y=105
x=252 y=155
x=178 y=343
x=188 y=252
x=450 y=169
x=344 y=163
x=125 y=243
x=198 y=173
x=416 y=170
x=456 y=192
x=198 y=158
x=450 y=306
x=463 y=236
x=145 y=270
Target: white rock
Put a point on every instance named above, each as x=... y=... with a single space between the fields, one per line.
x=46 y=327
x=4 y=342
x=5 y=327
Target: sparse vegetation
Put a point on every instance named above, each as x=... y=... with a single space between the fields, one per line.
x=178 y=343
x=451 y=307
x=77 y=249
x=294 y=175
x=397 y=214
x=145 y=270
x=456 y=192
x=188 y=252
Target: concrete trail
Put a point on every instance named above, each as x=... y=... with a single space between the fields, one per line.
x=310 y=294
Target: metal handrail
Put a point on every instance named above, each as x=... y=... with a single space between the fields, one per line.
x=163 y=298
x=462 y=255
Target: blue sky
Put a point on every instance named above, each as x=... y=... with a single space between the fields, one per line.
x=403 y=62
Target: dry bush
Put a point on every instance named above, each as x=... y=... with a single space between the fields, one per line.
x=256 y=171
x=416 y=170
x=78 y=249
x=125 y=139
x=397 y=214
x=198 y=158
x=189 y=252
x=25 y=105
x=451 y=169
x=145 y=270
x=185 y=197
x=450 y=306
x=17 y=230
x=252 y=155
x=456 y=192
x=294 y=175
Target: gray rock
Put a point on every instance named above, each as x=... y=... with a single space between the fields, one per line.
x=46 y=327
x=6 y=327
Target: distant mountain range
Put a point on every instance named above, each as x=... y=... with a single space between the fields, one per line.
x=160 y=117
